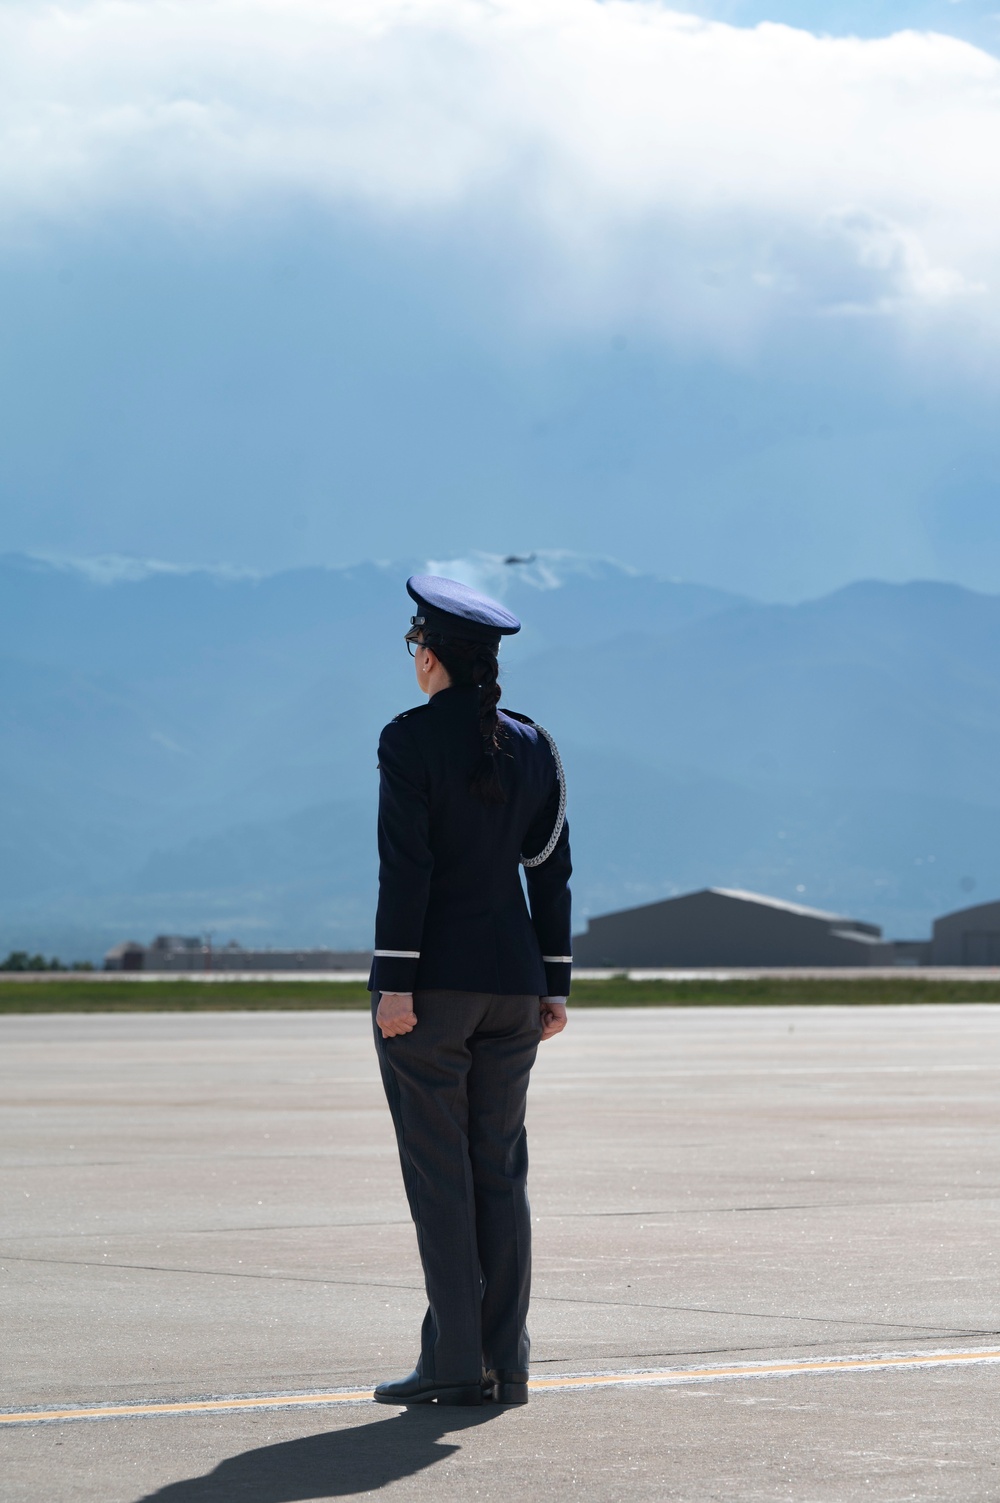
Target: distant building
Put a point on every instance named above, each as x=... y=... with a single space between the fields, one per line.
x=725 y=927
x=127 y=956
x=970 y=936
x=173 y=951
x=911 y=952
x=176 y=953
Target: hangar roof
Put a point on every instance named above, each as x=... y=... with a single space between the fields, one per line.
x=758 y=897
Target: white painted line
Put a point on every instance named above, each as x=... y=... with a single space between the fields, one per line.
x=557 y=1382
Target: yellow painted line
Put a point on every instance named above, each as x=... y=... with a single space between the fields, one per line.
x=656 y=1377
x=190 y=1406
x=764 y=1369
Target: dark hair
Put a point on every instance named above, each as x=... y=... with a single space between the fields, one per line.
x=475 y=663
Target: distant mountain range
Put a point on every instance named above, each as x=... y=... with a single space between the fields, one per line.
x=191 y=750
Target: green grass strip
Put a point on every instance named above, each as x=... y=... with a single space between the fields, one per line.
x=69 y=994
x=775 y=991
x=182 y=995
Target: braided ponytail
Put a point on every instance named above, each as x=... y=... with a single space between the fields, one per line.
x=475 y=663
x=486 y=779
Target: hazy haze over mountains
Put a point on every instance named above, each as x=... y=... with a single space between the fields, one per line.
x=706 y=284
x=195 y=750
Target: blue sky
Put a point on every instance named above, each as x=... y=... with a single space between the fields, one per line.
x=976 y=21
x=326 y=280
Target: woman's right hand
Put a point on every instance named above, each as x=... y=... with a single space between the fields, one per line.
x=395 y=1014
x=553 y=1016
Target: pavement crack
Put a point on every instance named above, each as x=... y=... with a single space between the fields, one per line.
x=201 y=1231
x=826 y=1320
x=211 y=1273
x=561 y=1299
x=805 y=1205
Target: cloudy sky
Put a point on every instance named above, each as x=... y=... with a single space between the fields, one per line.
x=711 y=288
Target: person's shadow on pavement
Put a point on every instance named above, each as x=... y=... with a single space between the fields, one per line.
x=337 y=1464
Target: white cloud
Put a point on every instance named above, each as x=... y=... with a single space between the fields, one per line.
x=117 y=568
x=645 y=160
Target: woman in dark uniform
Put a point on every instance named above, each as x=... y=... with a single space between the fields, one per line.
x=467 y=979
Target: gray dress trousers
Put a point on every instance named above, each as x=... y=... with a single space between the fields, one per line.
x=456 y=1088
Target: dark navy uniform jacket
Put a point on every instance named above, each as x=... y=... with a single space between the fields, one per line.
x=451 y=909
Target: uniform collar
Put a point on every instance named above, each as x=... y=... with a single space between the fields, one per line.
x=454 y=696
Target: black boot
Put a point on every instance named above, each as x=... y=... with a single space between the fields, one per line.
x=507 y=1388
x=417 y=1389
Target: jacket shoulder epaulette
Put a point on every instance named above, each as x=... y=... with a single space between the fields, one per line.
x=405 y=714
x=516 y=715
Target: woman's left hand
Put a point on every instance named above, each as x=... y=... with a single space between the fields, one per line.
x=553 y=1017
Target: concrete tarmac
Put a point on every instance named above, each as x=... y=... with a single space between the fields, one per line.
x=205 y=1205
